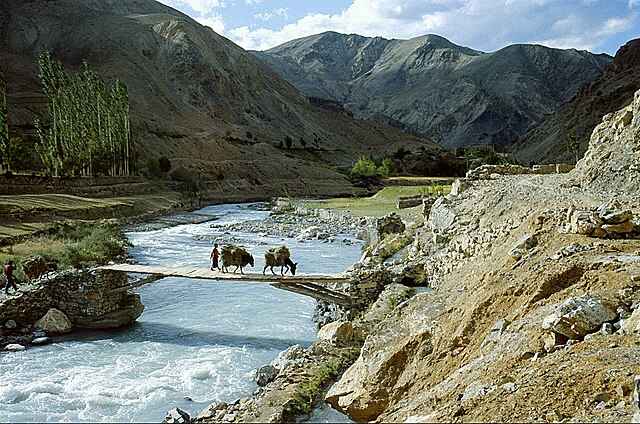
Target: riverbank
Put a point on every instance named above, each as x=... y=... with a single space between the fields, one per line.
x=531 y=303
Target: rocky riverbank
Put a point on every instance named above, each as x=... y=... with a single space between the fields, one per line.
x=58 y=303
x=532 y=312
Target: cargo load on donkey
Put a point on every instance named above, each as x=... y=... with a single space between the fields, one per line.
x=236 y=256
x=279 y=256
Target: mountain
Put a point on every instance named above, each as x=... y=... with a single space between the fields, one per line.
x=196 y=97
x=452 y=94
x=613 y=90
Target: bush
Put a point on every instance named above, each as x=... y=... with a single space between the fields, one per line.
x=288 y=141
x=367 y=168
x=364 y=168
x=386 y=168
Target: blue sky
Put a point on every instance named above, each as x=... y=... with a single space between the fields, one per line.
x=488 y=25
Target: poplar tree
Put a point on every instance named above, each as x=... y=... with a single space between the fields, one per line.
x=4 y=128
x=89 y=130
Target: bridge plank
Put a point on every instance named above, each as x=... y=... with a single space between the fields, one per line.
x=205 y=274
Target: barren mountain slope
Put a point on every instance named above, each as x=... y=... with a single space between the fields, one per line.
x=455 y=95
x=547 y=142
x=535 y=304
x=194 y=94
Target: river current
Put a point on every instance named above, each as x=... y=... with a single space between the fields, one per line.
x=197 y=342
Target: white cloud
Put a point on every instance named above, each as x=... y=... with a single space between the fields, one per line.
x=215 y=22
x=483 y=24
x=282 y=12
x=203 y=7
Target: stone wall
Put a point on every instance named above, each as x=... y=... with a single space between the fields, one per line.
x=90 y=299
x=486 y=172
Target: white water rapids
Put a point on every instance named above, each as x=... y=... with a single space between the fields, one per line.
x=197 y=342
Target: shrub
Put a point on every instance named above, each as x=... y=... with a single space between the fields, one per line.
x=364 y=168
x=386 y=168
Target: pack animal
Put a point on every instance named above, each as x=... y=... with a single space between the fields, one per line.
x=236 y=256
x=279 y=257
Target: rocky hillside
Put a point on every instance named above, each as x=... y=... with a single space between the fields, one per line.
x=196 y=97
x=455 y=95
x=534 y=310
x=547 y=142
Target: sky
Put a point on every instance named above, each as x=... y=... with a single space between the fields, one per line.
x=600 y=26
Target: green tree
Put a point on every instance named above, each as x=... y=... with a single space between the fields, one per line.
x=364 y=168
x=4 y=129
x=386 y=168
x=88 y=130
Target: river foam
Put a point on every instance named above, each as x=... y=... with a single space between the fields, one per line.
x=197 y=342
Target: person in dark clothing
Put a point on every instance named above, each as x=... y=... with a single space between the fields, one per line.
x=8 y=275
x=215 y=258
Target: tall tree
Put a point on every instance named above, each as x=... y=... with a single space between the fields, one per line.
x=4 y=128
x=89 y=129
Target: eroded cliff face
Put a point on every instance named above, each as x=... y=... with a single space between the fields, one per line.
x=528 y=318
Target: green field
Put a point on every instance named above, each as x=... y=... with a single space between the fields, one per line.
x=382 y=203
x=25 y=214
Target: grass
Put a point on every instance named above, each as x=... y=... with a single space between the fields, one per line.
x=307 y=392
x=28 y=214
x=70 y=246
x=382 y=203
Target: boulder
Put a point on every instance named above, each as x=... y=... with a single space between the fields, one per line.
x=265 y=375
x=130 y=309
x=390 y=224
x=579 y=316
x=213 y=412
x=14 y=347
x=441 y=217
x=10 y=325
x=177 y=416
x=624 y=228
x=631 y=325
x=339 y=333
x=459 y=186
x=366 y=388
x=41 y=341
x=295 y=355
x=54 y=322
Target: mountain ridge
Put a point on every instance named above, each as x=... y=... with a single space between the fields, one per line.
x=452 y=94
x=547 y=142
x=196 y=97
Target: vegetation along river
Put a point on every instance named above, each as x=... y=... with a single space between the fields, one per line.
x=197 y=342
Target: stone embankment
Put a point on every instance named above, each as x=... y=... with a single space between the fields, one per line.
x=58 y=303
x=532 y=311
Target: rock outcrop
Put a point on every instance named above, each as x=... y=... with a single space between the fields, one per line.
x=89 y=299
x=613 y=159
x=523 y=322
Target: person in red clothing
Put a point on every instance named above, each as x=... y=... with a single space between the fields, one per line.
x=8 y=275
x=215 y=258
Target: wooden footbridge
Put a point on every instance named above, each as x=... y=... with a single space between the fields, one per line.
x=307 y=285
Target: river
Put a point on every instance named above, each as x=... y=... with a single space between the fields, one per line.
x=197 y=342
